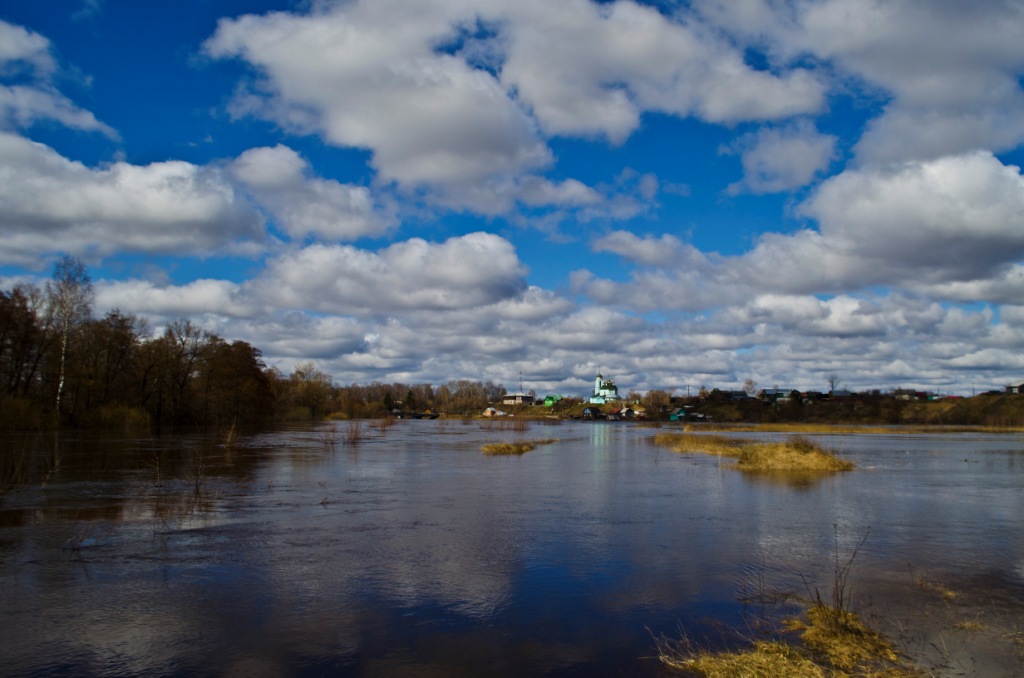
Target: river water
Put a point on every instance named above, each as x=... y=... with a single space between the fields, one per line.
x=411 y=553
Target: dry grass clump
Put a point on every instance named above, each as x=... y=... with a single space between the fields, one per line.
x=796 y=453
x=829 y=429
x=833 y=642
x=705 y=444
x=515 y=448
x=764 y=660
x=841 y=637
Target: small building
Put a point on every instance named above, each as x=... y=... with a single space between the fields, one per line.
x=774 y=396
x=517 y=399
x=593 y=413
x=686 y=413
x=1018 y=389
x=551 y=400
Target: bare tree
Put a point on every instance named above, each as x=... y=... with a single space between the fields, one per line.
x=70 y=296
x=750 y=387
x=833 y=383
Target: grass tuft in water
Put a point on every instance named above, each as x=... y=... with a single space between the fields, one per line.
x=354 y=433
x=833 y=641
x=796 y=453
x=515 y=448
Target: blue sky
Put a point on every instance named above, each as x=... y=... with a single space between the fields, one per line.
x=675 y=194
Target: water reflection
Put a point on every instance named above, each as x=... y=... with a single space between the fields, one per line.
x=414 y=552
x=797 y=480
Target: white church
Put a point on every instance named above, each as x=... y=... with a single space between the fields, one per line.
x=605 y=391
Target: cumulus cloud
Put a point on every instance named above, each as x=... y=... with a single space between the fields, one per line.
x=952 y=228
x=472 y=270
x=213 y=297
x=587 y=68
x=366 y=75
x=462 y=112
x=281 y=180
x=955 y=218
x=50 y=202
x=781 y=158
x=948 y=72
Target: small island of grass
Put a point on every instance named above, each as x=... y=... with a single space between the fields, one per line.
x=515 y=448
x=796 y=453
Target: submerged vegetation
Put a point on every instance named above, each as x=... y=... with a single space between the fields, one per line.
x=796 y=453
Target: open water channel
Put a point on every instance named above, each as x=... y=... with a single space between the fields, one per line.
x=412 y=553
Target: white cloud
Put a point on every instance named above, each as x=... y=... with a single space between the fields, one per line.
x=22 y=106
x=50 y=203
x=23 y=52
x=538 y=192
x=782 y=158
x=591 y=69
x=664 y=252
x=282 y=181
x=951 y=228
x=472 y=270
x=955 y=218
x=167 y=302
x=367 y=75
x=950 y=71
x=463 y=122
x=21 y=46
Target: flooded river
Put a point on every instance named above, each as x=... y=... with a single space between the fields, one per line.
x=292 y=553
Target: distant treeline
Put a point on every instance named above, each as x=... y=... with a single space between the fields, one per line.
x=869 y=407
x=60 y=366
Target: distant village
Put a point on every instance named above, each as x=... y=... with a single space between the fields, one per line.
x=605 y=402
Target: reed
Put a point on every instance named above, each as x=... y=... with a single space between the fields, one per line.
x=229 y=434
x=354 y=433
x=195 y=467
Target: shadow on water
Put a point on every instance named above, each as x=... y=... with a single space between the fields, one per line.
x=293 y=551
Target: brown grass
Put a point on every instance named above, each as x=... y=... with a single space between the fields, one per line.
x=515 y=448
x=836 y=429
x=833 y=642
x=796 y=453
x=764 y=660
x=837 y=646
x=843 y=639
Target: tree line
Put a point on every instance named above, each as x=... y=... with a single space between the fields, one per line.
x=61 y=366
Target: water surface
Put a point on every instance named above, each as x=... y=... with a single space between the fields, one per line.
x=411 y=553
